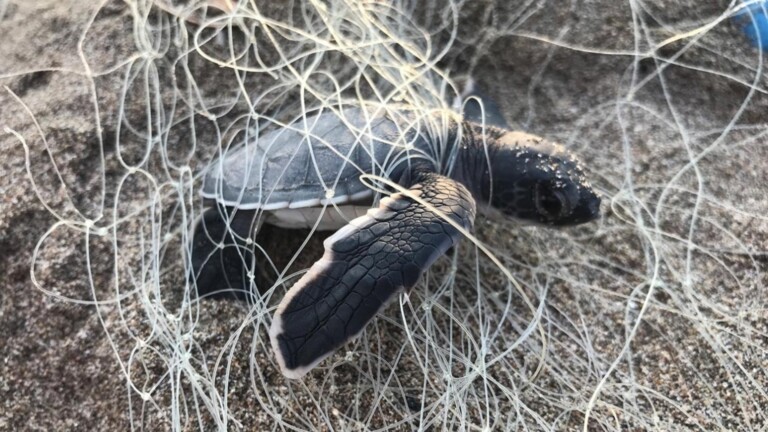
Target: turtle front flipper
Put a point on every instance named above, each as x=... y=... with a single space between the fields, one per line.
x=365 y=264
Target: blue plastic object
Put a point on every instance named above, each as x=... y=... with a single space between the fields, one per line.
x=753 y=21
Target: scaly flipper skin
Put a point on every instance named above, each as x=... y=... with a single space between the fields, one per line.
x=365 y=264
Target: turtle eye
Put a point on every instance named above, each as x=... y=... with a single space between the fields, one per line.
x=551 y=203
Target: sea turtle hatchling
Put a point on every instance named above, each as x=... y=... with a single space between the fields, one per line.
x=308 y=174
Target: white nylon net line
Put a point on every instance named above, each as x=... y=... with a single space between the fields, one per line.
x=554 y=330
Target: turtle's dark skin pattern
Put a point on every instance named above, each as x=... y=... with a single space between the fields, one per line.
x=363 y=269
x=366 y=263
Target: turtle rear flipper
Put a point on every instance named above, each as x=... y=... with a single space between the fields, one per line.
x=221 y=256
x=365 y=264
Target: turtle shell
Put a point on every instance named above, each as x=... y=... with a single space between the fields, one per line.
x=315 y=160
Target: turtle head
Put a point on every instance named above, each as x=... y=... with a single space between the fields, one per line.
x=536 y=181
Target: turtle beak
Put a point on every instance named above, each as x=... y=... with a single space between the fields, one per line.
x=588 y=208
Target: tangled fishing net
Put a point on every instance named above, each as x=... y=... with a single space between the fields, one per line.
x=652 y=318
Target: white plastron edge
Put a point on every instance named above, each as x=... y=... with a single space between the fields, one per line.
x=340 y=199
